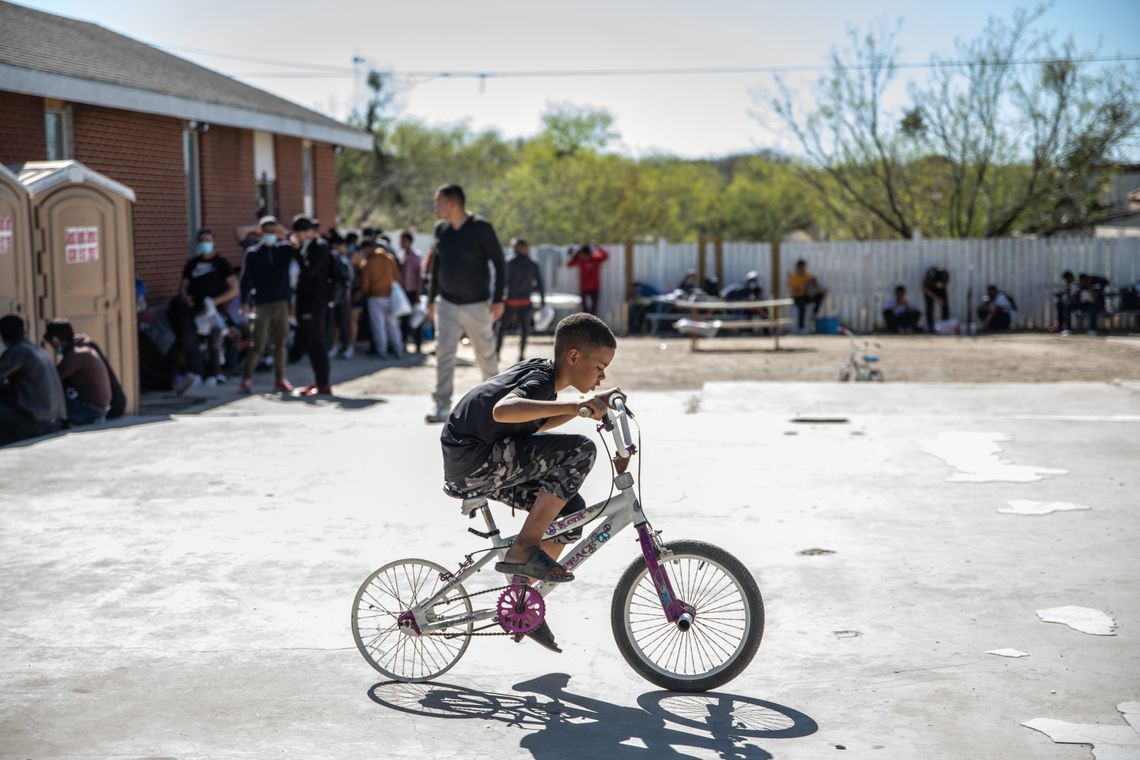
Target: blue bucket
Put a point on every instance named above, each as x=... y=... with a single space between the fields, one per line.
x=827 y=325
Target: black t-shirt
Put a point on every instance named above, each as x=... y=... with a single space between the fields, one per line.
x=471 y=429
x=207 y=276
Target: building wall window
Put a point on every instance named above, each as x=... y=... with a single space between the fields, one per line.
x=57 y=129
x=307 y=177
x=265 y=173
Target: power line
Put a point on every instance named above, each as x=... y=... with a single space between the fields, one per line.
x=304 y=70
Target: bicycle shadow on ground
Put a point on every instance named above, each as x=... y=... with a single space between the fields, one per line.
x=569 y=725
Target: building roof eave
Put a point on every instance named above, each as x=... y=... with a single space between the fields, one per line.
x=49 y=85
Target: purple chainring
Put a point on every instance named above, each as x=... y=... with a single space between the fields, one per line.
x=521 y=597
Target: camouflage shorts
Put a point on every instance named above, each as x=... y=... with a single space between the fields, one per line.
x=521 y=468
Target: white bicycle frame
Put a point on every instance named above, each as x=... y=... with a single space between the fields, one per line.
x=613 y=515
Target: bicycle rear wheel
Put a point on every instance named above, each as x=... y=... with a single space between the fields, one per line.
x=727 y=626
x=401 y=653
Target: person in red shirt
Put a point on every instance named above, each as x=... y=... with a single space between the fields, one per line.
x=589 y=262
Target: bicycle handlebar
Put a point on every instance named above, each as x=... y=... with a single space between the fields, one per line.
x=617 y=422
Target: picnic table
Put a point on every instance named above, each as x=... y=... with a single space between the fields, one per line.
x=712 y=317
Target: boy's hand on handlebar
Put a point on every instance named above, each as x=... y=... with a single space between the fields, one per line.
x=608 y=395
x=598 y=403
x=592 y=407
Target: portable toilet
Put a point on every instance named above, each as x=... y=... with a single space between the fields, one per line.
x=84 y=261
x=16 y=292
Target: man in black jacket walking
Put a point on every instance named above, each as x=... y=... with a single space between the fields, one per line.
x=314 y=291
x=265 y=291
x=460 y=291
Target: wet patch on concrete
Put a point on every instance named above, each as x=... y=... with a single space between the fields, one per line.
x=1108 y=742
x=976 y=458
x=1083 y=619
x=1030 y=507
x=814 y=552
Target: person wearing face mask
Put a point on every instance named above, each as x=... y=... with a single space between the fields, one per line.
x=265 y=291
x=314 y=291
x=31 y=395
x=208 y=284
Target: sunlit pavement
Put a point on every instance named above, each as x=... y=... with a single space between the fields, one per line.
x=181 y=587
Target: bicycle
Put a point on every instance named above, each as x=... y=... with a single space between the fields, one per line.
x=858 y=365
x=686 y=615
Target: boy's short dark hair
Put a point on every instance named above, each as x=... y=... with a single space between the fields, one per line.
x=11 y=329
x=62 y=329
x=584 y=332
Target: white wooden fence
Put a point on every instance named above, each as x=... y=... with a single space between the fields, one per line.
x=859 y=276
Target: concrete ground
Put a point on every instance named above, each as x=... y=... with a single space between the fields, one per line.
x=181 y=586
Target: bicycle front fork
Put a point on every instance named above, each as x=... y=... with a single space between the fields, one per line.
x=676 y=610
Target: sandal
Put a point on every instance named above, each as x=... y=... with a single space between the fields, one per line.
x=539 y=566
x=543 y=636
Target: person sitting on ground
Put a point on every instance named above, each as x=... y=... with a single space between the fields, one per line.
x=898 y=313
x=524 y=278
x=997 y=310
x=31 y=396
x=86 y=382
x=805 y=291
x=492 y=447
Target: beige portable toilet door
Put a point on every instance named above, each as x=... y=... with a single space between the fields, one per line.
x=78 y=229
x=17 y=295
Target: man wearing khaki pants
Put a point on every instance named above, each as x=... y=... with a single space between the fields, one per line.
x=459 y=295
x=265 y=290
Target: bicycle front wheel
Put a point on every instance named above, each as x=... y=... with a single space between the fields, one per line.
x=728 y=619
x=401 y=653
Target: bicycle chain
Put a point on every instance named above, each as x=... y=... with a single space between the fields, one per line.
x=476 y=631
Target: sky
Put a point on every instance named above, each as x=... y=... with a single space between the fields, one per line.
x=684 y=115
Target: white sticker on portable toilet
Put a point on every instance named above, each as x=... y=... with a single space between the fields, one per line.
x=5 y=234
x=81 y=244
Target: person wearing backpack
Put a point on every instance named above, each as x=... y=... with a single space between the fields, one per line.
x=340 y=278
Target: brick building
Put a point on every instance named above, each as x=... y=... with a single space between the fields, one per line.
x=198 y=148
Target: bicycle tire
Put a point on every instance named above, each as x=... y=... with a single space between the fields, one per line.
x=379 y=602
x=653 y=647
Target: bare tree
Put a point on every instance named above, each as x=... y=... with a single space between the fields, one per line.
x=1012 y=135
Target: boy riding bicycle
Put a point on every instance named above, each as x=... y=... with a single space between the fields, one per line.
x=493 y=445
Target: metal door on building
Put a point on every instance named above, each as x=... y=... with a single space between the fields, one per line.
x=17 y=295
x=84 y=259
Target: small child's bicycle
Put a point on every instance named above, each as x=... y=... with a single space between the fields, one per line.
x=858 y=366
x=686 y=615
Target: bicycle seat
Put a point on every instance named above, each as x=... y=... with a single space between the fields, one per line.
x=870 y=358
